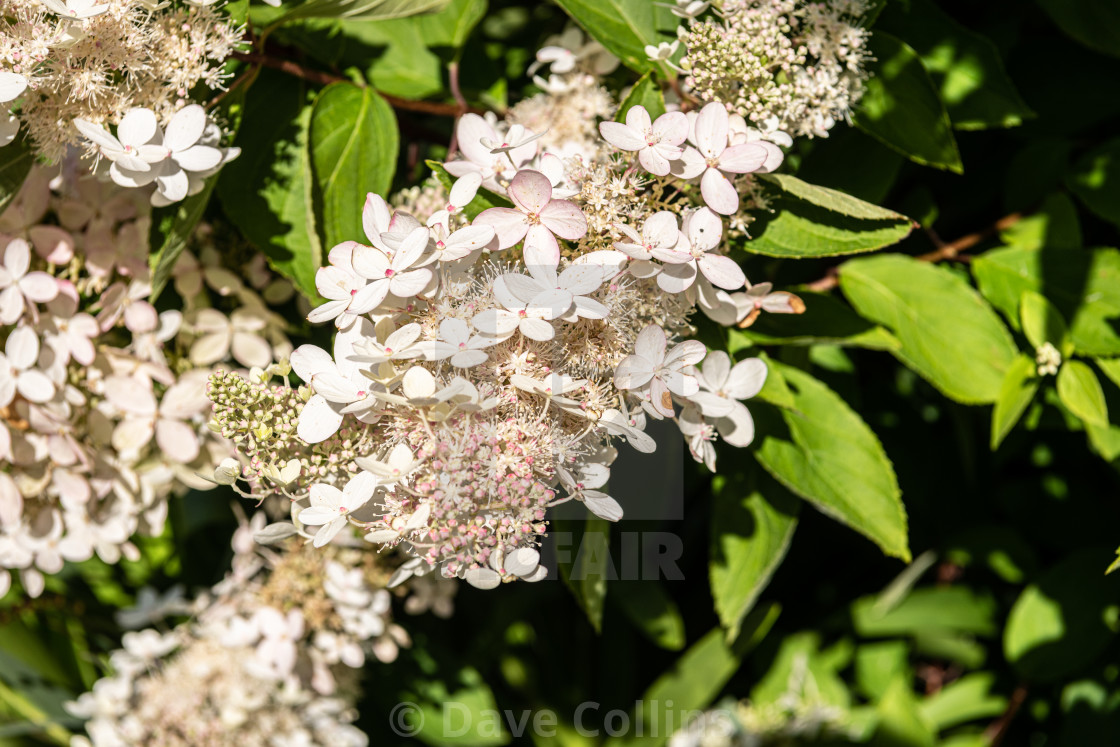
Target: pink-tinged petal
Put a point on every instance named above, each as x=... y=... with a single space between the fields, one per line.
x=177 y=440
x=39 y=287
x=660 y=398
x=408 y=284
x=470 y=238
x=642 y=269
x=375 y=217
x=308 y=360
x=518 y=288
x=650 y=345
x=495 y=322
x=97 y=134
x=140 y=317
x=705 y=229
x=327 y=533
x=327 y=311
x=672 y=256
x=540 y=248
x=551 y=166
x=326 y=496
x=317 y=515
x=7 y=391
x=677 y=278
x=22 y=347
x=687 y=353
x=410 y=249
x=185 y=128
x=133 y=434
x=589 y=308
x=581 y=279
x=712 y=405
x=462 y=168
x=318 y=420
x=602 y=505
x=369 y=298
x=537 y=329
x=17 y=257
x=522 y=154
x=11 y=305
x=469 y=133
x=454 y=331
x=719 y=193
x=341 y=256
x=173 y=185
x=530 y=190
x=130 y=395
x=137 y=127
x=653 y=161
x=370 y=262
x=717 y=365
x=638 y=118
x=633 y=251
x=564 y=219
x=737 y=428
x=483 y=578
x=782 y=302
x=210 y=348
x=774 y=157
x=132 y=173
x=11 y=502
x=250 y=350
x=744 y=158
x=746 y=379
x=690 y=165
x=622 y=136
x=671 y=128
x=551 y=304
x=711 y=130
x=35 y=386
x=722 y=271
x=680 y=383
x=468 y=358
x=633 y=372
x=509 y=225
x=199 y=158
x=464 y=189
x=52 y=244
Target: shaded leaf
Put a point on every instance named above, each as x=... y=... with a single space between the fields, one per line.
x=587 y=573
x=1094 y=23
x=1080 y=391
x=1095 y=179
x=651 y=610
x=831 y=199
x=15 y=165
x=1015 y=393
x=646 y=92
x=625 y=27
x=825 y=321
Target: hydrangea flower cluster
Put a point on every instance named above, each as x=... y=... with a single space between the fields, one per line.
x=271 y=656
x=488 y=361
x=103 y=406
x=784 y=65
x=72 y=67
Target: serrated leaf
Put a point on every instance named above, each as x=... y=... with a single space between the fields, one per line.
x=354 y=144
x=1095 y=179
x=646 y=92
x=902 y=109
x=625 y=28
x=484 y=199
x=751 y=529
x=825 y=321
x=15 y=164
x=830 y=199
x=1016 y=392
x=965 y=67
x=651 y=610
x=827 y=455
x=267 y=191
x=1080 y=391
x=948 y=334
x=1094 y=23
x=1042 y=322
x=1084 y=285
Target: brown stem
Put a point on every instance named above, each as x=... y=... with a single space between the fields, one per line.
x=319 y=77
x=453 y=84
x=951 y=250
x=997 y=730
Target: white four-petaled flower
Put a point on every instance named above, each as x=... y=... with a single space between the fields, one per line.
x=331 y=508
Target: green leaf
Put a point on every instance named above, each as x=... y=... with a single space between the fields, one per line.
x=586 y=574
x=965 y=67
x=831 y=199
x=1094 y=23
x=1111 y=368
x=967 y=699
x=354 y=143
x=1054 y=225
x=15 y=165
x=176 y=226
x=803 y=670
x=1080 y=391
x=483 y=200
x=902 y=109
x=459 y=712
x=1095 y=179
x=951 y=608
x=900 y=718
x=361 y=9
x=1015 y=394
x=775 y=390
x=625 y=28
x=646 y=92
x=1059 y=624
x=1084 y=285
x=826 y=321
x=812 y=221
x=948 y=334
x=751 y=529
x=651 y=610
x=1043 y=323
x=828 y=456
x=267 y=191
